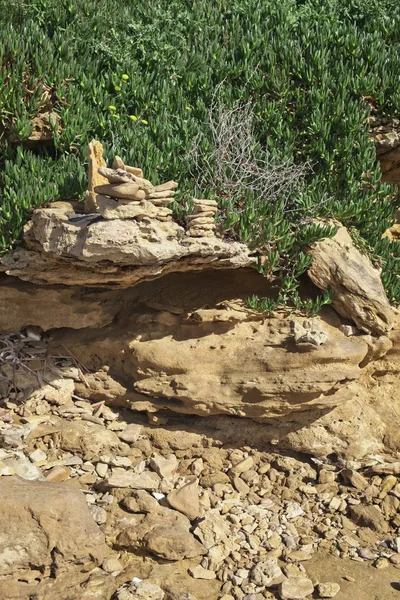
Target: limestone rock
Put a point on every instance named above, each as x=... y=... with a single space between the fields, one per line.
x=95 y=160
x=369 y=516
x=168 y=185
x=296 y=588
x=328 y=590
x=265 y=571
x=120 y=478
x=200 y=573
x=310 y=332
x=356 y=285
x=125 y=191
x=113 y=209
x=116 y=175
x=172 y=543
x=47 y=525
x=140 y=590
x=113 y=252
x=87 y=439
x=165 y=534
x=186 y=499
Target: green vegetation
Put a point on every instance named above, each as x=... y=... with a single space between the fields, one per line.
x=141 y=77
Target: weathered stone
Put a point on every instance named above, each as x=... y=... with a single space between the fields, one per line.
x=161 y=194
x=165 y=467
x=200 y=573
x=357 y=288
x=95 y=160
x=114 y=252
x=355 y=479
x=116 y=175
x=265 y=571
x=46 y=525
x=141 y=502
x=328 y=590
x=111 y=209
x=120 y=478
x=310 y=332
x=168 y=185
x=295 y=588
x=186 y=499
x=198 y=202
x=87 y=439
x=134 y=171
x=172 y=543
x=131 y=433
x=140 y=590
x=125 y=191
x=58 y=474
x=369 y=516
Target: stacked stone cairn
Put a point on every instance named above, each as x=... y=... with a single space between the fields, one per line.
x=128 y=195
x=201 y=222
x=122 y=193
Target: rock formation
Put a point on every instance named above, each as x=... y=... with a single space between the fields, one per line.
x=169 y=333
x=357 y=288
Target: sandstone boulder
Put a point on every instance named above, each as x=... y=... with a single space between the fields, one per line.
x=357 y=288
x=47 y=528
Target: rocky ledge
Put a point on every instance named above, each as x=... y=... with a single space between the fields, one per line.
x=62 y=247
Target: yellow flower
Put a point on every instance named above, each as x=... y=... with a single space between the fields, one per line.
x=115 y=116
x=117 y=88
x=133 y=117
x=144 y=122
x=111 y=107
x=125 y=77
x=188 y=107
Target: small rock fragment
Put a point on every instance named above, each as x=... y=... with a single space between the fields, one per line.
x=200 y=573
x=328 y=590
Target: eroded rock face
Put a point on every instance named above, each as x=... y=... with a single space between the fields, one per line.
x=46 y=527
x=219 y=361
x=356 y=285
x=91 y=251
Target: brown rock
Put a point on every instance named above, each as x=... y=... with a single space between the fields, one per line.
x=161 y=194
x=86 y=439
x=118 y=163
x=116 y=175
x=355 y=479
x=186 y=500
x=52 y=307
x=296 y=588
x=357 y=288
x=114 y=209
x=125 y=191
x=168 y=185
x=58 y=474
x=369 y=516
x=172 y=543
x=47 y=525
x=134 y=171
x=114 y=252
x=95 y=160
